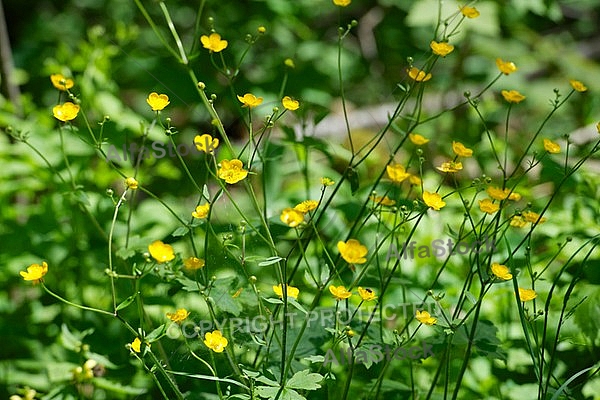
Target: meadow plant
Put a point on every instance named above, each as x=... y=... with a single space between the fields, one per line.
x=280 y=230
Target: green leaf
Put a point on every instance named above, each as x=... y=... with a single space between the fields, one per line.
x=268 y=392
x=352 y=176
x=125 y=252
x=156 y=333
x=270 y=261
x=126 y=302
x=189 y=285
x=305 y=380
x=181 y=231
x=117 y=388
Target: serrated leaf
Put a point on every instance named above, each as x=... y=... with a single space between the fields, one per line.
x=268 y=392
x=124 y=253
x=270 y=261
x=305 y=380
x=181 y=231
x=126 y=302
x=189 y=285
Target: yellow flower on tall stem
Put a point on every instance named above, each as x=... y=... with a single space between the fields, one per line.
x=506 y=67
x=249 y=100
x=35 y=272
x=291 y=291
x=418 y=75
x=193 y=263
x=433 y=200
x=206 y=143
x=512 y=96
x=131 y=183
x=178 y=316
x=533 y=217
x=290 y=104
x=396 y=172
x=215 y=341
x=306 y=206
x=487 y=206
x=501 y=271
x=460 y=149
x=353 y=251
x=157 y=102
x=551 y=147
x=441 y=49
x=527 y=294
x=417 y=139
x=342 y=3
x=201 y=211
x=161 y=252
x=425 y=318
x=469 y=12
x=232 y=171
x=214 y=43
x=366 y=294
x=578 y=86
x=340 y=292
x=291 y=217
x=65 y=112
x=61 y=83
x=450 y=166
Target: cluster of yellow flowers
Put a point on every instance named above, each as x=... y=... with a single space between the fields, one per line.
x=293 y=217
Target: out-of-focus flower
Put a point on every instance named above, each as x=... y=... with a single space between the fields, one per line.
x=488 y=207
x=578 y=86
x=327 y=181
x=533 y=217
x=512 y=96
x=517 y=221
x=433 y=200
x=131 y=183
x=527 y=294
x=193 y=263
x=290 y=104
x=460 y=149
x=498 y=194
x=61 y=83
x=35 y=272
x=441 y=49
x=551 y=147
x=201 y=211
x=396 y=172
x=291 y=291
x=417 y=139
x=450 y=166
x=469 y=12
x=178 y=316
x=291 y=217
x=506 y=67
x=161 y=252
x=383 y=200
x=342 y=3
x=306 y=206
x=214 y=43
x=418 y=75
x=425 y=318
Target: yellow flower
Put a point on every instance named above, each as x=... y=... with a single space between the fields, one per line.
x=469 y=12
x=136 y=345
x=578 y=86
x=157 y=102
x=206 y=143
x=215 y=341
x=161 y=252
x=487 y=206
x=306 y=206
x=249 y=100
x=201 y=211
x=450 y=166
x=414 y=180
x=178 y=316
x=291 y=217
x=193 y=263
x=131 y=183
x=366 y=294
x=460 y=149
x=433 y=200
x=551 y=147
x=327 y=181
x=353 y=251
x=533 y=217
x=65 y=112
x=342 y=3
x=290 y=104
x=383 y=200
x=514 y=196
x=598 y=127
x=61 y=83
x=527 y=294
x=501 y=271
x=35 y=272
x=417 y=139
x=232 y=171
x=498 y=194
x=418 y=75
x=291 y=291
x=289 y=63
x=214 y=43
x=506 y=67
x=517 y=221
x=396 y=172
x=425 y=318
x=441 y=49
x=512 y=96
x=261 y=29
x=340 y=292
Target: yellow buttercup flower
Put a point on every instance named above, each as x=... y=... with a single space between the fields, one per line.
x=340 y=292
x=193 y=263
x=157 y=102
x=460 y=149
x=131 y=183
x=214 y=43
x=261 y=29
x=342 y=3
x=35 y=272
x=469 y=12
x=306 y=206
x=441 y=49
x=450 y=166
x=551 y=147
x=291 y=217
x=414 y=180
x=533 y=217
x=514 y=196
x=396 y=172
x=201 y=211
x=206 y=143
x=215 y=341
x=366 y=294
x=425 y=318
x=232 y=171
x=136 y=345
x=291 y=291
x=327 y=181
x=65 y=112
x=178 y=316
x=527 y=294
x=498 y=194
x=598 y=127
x=578 y=86
x=383 y=200
x=417 y=139
x=61 y=83
x=512 y=96
x=488 y=207
x=418 y=75
x=433 y=200
x=289 y=63
x=353 y=251
x=506 y=67
x=517 y=221
x=501 y=271
x=249 y=100
x=161 y=252
x=290 y=104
